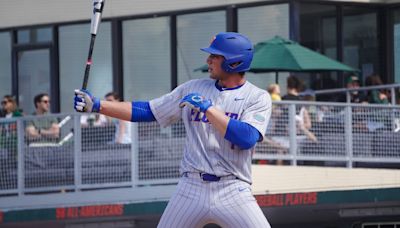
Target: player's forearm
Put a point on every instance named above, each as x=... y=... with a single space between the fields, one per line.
x=119 y=110
x=218 y=119
x=233 y=130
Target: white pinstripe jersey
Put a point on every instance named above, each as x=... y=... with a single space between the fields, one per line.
x=206 y=150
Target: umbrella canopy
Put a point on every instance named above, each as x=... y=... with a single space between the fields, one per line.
x=279 y=54
x=283 y=55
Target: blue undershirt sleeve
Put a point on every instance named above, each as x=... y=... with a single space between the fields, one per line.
x=242 y=134
x=141 y=112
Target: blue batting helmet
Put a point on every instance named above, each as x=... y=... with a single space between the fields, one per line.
x=236 y=48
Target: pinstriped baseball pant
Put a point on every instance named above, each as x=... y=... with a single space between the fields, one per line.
x=228 y=203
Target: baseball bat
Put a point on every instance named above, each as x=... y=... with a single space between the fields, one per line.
x=98 y=6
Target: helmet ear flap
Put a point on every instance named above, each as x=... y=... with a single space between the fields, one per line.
x=237 y=64
x=230 y=66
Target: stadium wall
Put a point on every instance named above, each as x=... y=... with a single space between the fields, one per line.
x=26 y=12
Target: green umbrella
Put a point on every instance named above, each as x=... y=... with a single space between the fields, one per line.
x=282 y=55
x=279 y=54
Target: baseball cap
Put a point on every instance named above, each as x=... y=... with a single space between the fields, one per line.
x=352 y=78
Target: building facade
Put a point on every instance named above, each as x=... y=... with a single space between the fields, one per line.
x=155 y=44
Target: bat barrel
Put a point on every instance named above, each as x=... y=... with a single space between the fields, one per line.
x=98 y=6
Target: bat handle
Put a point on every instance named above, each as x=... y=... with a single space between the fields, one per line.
x=88 y=62
x=86 y=76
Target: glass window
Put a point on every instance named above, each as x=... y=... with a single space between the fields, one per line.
x=318 y=32
x=318 y=28
x=5 y=63
x=195 y=31
x=396 y=38
x=35 y=35
x=74 y=43
x=262 y=23
x=23 y=36
x=360 y=40
x=33 y=77
x=44 y=35
x=146 y=56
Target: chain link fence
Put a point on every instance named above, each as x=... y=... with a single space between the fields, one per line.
x=332 y=134
x=8 y=155
x=58 y=153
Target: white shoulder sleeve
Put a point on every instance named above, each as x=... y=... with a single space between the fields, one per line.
x=166 y=108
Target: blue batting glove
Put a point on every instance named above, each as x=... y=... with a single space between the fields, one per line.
x=196 y=101
x=85 y=102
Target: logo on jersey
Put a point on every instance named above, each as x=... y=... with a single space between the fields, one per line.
x=259 y=117
x=243 y=189
x=201 y=117
x=238 y=99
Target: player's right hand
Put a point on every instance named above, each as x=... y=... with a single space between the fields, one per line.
x=84 y=101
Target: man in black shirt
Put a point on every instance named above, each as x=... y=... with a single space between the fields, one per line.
x=353 y=82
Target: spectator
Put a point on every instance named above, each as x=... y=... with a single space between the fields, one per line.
x=9 y=107
x=42 y=129
x=309 y=96
x=376 y=96
x=279 y=127
x=275 y=92
x=123 y=128
x=294 y=86
x=94 y=120
x=353 y=82
x=8 y=130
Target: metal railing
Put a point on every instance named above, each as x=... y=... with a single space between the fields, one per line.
x=83 y=155
x=337 y=134
x=389 y=87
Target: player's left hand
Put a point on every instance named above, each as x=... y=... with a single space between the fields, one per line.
x=196 y=101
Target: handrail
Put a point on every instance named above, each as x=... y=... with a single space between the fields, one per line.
x=364 y=88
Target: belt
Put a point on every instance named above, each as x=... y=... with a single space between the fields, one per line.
x=209 y=177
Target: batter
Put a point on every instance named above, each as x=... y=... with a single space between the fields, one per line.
x=224 y=117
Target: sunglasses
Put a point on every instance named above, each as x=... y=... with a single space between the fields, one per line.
x=45 y=101
x=4 y=102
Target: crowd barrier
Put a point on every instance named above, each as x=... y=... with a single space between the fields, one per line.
x=85 y=156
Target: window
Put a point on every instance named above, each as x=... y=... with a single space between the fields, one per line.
x=194 y=32
x=318 y=28
x=318 y=32
x=33 y=76
x=37 y=35
x=360 y=40
x=5 y=63
x=74 y=43
x=146 y=56
x=262 y=23
x=396 y=38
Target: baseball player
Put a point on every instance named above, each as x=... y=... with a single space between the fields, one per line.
x=224 y=117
